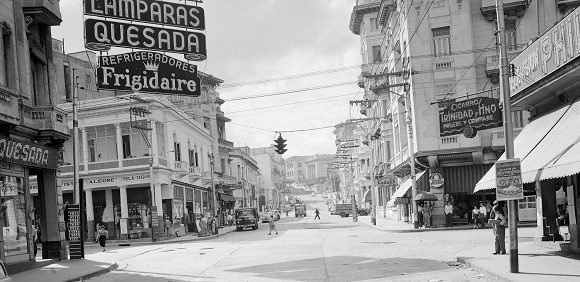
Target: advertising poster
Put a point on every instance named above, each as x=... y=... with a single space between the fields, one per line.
x=509 y=180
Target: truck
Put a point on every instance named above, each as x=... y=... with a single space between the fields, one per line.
x=299 y=210
x=344 y=210
x=247 y=218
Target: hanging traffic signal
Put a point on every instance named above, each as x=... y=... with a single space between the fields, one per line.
x=280 y=145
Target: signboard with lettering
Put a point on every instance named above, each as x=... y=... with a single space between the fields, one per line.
x=476 y=114
x=148 y=11
x=27 y=153
x=154 y=216
x=508 y=177
x=551 y=51
x=148 y=72
x=75 y=236
x=350 y=144
x=436 y=180
x=100 y=35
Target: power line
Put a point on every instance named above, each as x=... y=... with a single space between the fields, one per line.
x=294 y=103
x=293 y=91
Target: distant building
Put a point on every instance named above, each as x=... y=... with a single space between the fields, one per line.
x=245 y=169
x=273 y=176
x=309 y=171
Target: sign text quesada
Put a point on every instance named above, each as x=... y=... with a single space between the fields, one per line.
x=148 y=72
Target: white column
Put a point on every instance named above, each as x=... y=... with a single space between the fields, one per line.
x=85 y=151
x=119 y=144
x=109 y=213
x=159 y=201
x=124 y=206
x=89 y=204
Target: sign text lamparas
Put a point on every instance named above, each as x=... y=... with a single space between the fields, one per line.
x=148 y=72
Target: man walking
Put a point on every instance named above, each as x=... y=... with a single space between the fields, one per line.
x=448 y=214
x=317 y=214
x=272 y=225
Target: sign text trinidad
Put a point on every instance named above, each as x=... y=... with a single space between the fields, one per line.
x=102 y=33
x=148 y=72
x=478 y=113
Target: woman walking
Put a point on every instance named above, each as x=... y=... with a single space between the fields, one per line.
x=103 y=235
x=272 y=225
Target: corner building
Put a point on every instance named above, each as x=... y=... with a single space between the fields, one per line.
x=32 y=132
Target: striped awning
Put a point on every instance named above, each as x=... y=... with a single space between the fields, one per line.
x=462 y=179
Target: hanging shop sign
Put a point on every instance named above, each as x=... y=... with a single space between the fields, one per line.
x=148 y=72
x=551 y=51
x=508 y=177
x=470 y=116
x=101 y=35
x=27 y=153
x=148 y=11
x=350 y=144
x=436 y=180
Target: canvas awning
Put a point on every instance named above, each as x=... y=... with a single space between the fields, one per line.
x=405 y=186
x=548 y=147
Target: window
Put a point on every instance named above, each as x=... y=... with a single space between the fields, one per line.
x=441 y=41
x=160 y=128
x=373 y=23
x=5 y=56
x=177 y=151
x=206 y=123
x=67 y=83
x=134 y=145
x=126 y=146
x=92 y=151
x=377 y=54
x=192 y=157
x=299 y=164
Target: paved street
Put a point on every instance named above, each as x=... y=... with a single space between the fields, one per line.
x=332 y=249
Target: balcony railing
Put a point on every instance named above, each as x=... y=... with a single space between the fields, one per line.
x=136 y=161
x=510 y=7
x=162 y=162
x=50 y=119
x=103 y=165
x=181 y=166
x=195 y=173
x=43 y=11
x=225 y=143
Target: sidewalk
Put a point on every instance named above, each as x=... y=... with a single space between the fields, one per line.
x=97 y=263
x=390 y=225
x=536 y=263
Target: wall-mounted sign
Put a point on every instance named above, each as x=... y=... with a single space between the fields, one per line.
x=148 y=72
x=477 y=113
x=508 y=178
x=551 y=51
x=27 y=153
x=148 y=11
x=100 y=35
x=436 y=180
x=350 y=144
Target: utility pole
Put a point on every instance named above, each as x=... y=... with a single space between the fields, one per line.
x=509 y=133
x=372 y=191
x=211 y=160
x=76 y=192
x=411 y=150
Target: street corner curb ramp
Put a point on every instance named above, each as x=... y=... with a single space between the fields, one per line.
x=112 y=267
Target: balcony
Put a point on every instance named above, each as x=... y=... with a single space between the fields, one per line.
x=136 y=161
x=43 y=11
x=492 y=64
x=221 y=116
x=9 y=105
x=362 y=8
x=511 y=8
x=564 y=5
x=51 y=121
x=195 y=173
x=181 y=166
x=229 y=180
x=226 y=144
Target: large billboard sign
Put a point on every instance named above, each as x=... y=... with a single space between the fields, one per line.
x=148 y=72
x=473 y=114
x=148 y=11
x=100 y=35
x=551 y=51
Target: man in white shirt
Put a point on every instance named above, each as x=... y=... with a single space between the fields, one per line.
x=448 y=214
x=482 y=214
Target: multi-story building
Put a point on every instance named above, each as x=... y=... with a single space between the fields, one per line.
x=32 y=131
x=247 y=174
x=310 y=171
x=449 y=50
x=136 y=168
x=272 y=174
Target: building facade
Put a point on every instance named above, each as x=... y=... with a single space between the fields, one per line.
x=247 y=174
x=310 y=172
x=32 y=132
x=448 y=49
x=273 y=176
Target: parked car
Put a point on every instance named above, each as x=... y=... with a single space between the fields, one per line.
x=246 y=218
x=299 y=210
x=362 y=211
x=344 y=210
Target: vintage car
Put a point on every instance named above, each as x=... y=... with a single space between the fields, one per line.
x=246 y=218
x=300 y=210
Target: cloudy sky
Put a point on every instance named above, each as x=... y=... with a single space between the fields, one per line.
x=256 y=40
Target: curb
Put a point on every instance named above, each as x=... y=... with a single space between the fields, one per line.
x=488 y=273
x=376 y=227
x=112 y=267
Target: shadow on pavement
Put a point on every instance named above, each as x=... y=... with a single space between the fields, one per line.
x=151 y=276
x=344 y=268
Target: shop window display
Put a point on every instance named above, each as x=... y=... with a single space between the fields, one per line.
x=13 y=216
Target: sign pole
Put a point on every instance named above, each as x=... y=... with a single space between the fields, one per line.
x=508 y=130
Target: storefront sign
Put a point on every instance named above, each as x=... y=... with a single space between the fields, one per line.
x=154 y=216
x=148 y=11
x=116 y=180
x=74 y=232
x=551 y=51
x=436 y=180
x=27 y=153
x=100 y=35
x=508 y=177
x=478 y=113
x=350 y=144
x=148 y=72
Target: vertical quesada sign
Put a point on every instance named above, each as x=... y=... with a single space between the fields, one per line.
x=148 y=72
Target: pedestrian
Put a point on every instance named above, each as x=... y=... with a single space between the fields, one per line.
x=272 y=225
x=488 y=210
x=420 y=214
x=230 y=219
x=482 y=214
x=427 y=212
x=103 y=235
x=35 y=239
x=499 y=230
x=97 y=228
x=317 y=214
x=475 y=216
x=448 y=214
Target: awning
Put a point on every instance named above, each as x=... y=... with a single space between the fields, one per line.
x=405 y=186
x=548 y=147
x=227 y=198
x=368 y=196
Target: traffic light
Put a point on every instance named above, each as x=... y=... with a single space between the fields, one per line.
x=280 y=145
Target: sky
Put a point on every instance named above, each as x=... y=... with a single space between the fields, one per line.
x=251 y=40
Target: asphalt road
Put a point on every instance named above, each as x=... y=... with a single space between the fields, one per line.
x=330 y=249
